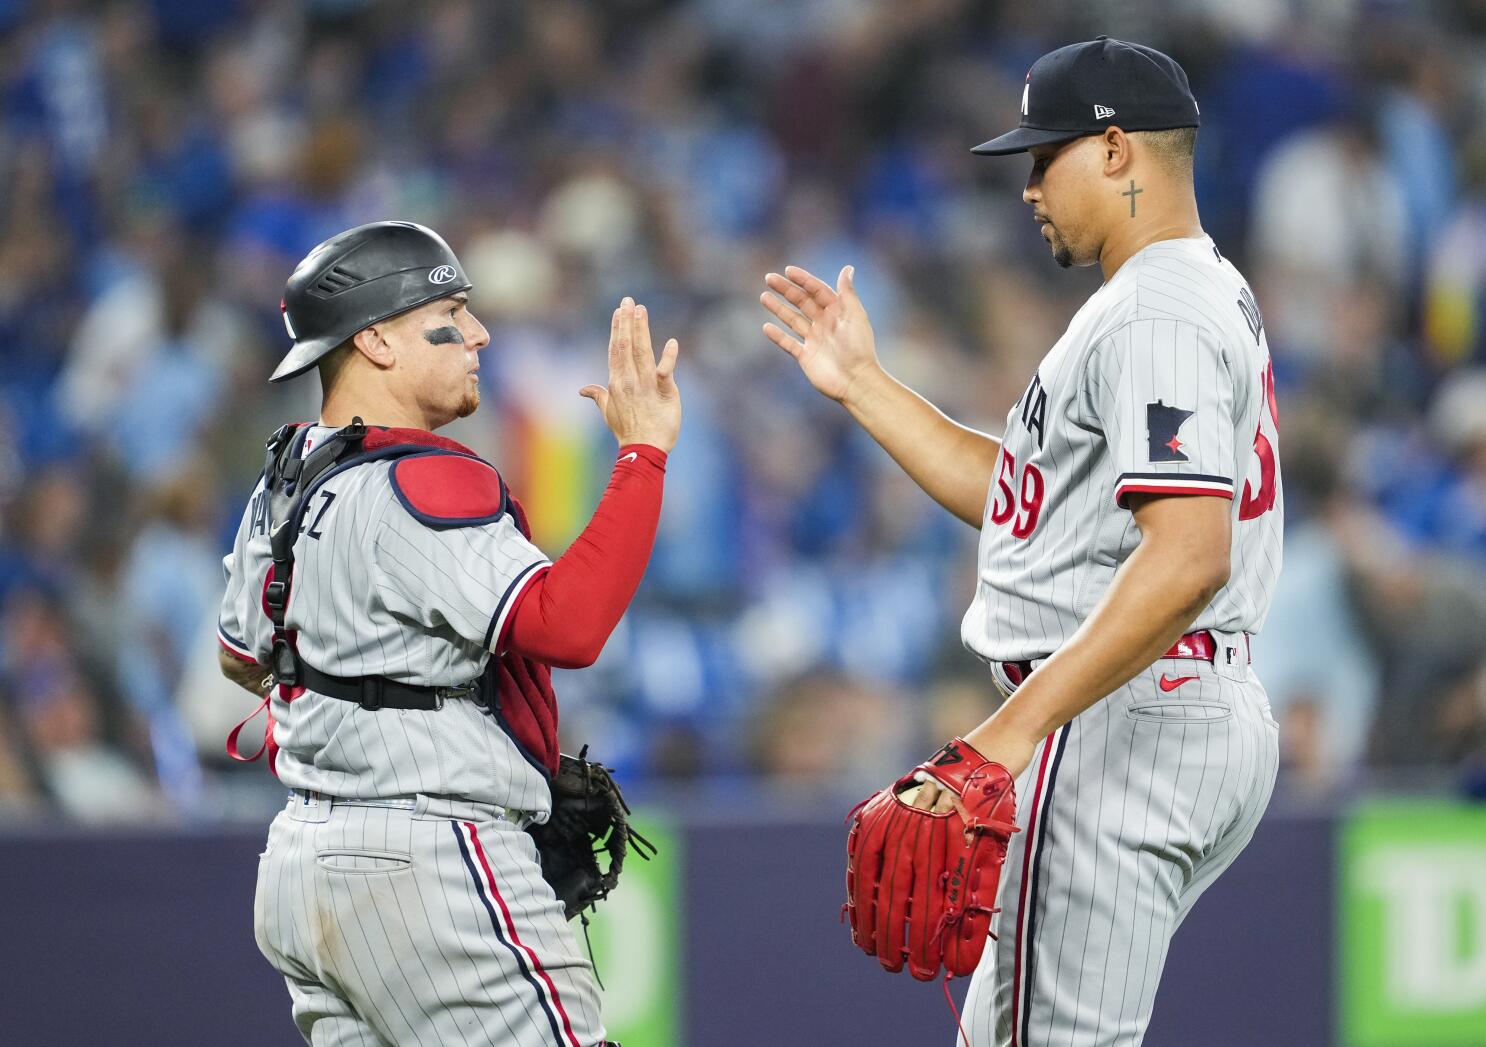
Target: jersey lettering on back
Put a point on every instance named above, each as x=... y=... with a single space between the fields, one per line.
x=258 y=512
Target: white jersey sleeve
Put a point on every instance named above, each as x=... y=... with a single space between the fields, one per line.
x=465 y=577
x=236 y=619
x=1163 y=393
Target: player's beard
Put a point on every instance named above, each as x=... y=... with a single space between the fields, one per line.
x=1062 y=253
x=470 y=404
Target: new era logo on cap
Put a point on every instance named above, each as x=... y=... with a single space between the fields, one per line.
x=1103 y=112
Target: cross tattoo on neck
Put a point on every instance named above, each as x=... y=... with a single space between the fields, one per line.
x=1131 y=195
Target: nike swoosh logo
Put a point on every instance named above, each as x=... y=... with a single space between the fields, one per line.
x=1170 y=684
x=631 y=457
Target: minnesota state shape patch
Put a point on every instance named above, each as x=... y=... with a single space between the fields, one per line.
x=1163 y=427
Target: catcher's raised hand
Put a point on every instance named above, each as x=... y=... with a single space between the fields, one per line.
x=825 y=329
x=641 y=403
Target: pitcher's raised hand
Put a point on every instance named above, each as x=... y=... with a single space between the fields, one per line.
x=825 y=329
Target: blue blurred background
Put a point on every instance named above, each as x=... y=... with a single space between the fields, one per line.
x=164 y=163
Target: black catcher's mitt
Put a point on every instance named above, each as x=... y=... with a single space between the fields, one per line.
x=589 y=818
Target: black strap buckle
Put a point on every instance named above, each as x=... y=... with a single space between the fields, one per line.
x=284 y=663
x=470 y=690
x=276 y=595
x=371 y=693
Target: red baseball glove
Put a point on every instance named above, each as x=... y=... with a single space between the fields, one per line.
x=920 y=886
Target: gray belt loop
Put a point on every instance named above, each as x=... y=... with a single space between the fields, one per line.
x=467 y=810
x=1231 y=648
x=306 y=805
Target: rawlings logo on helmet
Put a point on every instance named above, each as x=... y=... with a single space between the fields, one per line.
x=442 y=275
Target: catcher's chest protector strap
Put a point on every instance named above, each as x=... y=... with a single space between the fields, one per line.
x=289 y=480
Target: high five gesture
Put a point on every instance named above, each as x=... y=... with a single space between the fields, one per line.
x=641 y=403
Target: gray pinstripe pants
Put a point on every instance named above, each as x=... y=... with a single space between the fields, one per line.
x=421 y=923
x=1128 y=814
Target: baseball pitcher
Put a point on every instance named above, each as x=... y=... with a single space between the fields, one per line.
x=1130 y=520
x=384 y=596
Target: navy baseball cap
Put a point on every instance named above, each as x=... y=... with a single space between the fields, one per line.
x=1083 y=88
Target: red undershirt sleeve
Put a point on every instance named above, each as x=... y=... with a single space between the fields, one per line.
x=564 y=615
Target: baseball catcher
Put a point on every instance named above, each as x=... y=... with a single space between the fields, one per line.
x=385 y=578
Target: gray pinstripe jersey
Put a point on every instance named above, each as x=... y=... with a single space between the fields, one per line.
x=1162 y=382
x=376 y=592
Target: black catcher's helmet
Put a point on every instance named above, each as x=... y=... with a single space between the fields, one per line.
x=358 y=278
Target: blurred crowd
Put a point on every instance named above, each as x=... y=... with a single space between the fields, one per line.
x=164 y=163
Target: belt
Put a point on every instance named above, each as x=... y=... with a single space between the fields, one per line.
x=398 y=803
x=311 y=805
x=378 y=692
x=1201 y=645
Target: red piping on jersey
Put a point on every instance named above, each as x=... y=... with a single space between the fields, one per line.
x=248 y=658
x=1125 y=489
x=567 y=1026
x=565 y=615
